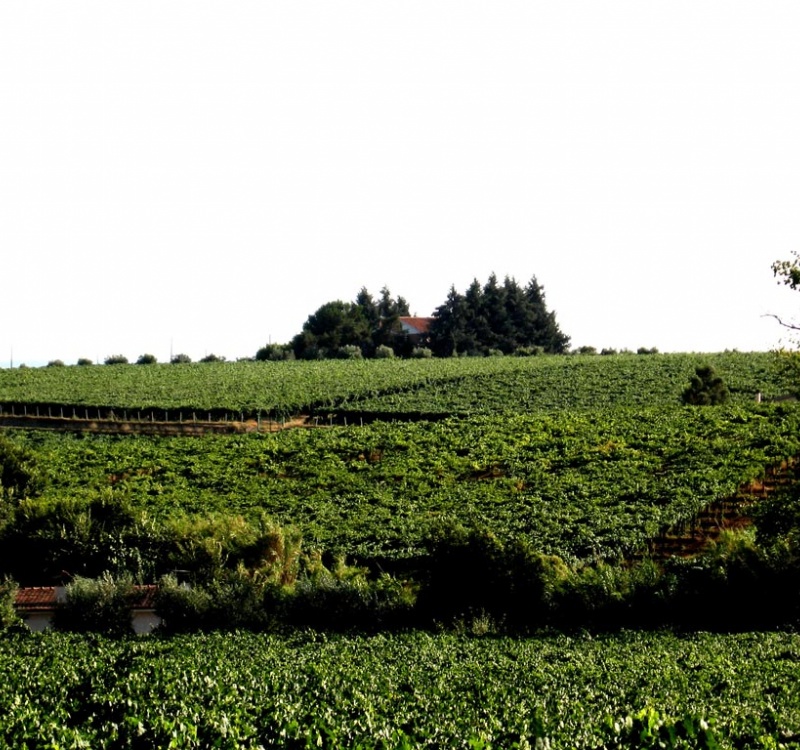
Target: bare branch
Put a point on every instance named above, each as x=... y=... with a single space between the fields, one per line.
x=790 y=326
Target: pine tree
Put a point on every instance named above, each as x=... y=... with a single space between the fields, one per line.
x=495 y=316
x=448 y=326
x=705 y=388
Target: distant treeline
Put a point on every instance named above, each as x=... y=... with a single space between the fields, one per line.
x=487 y=319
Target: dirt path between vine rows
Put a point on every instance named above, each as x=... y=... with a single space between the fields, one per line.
x=136 y=427
x=726 y=514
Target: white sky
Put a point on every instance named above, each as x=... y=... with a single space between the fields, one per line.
x=204 y=175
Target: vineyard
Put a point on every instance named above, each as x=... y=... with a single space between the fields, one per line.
x=371 y=388
x=579 y=484
x=412 y=690
x=452 y=499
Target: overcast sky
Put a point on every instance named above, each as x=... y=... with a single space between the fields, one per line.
x=201 y=176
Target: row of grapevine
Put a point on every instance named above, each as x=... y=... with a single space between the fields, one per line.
x=386 y=387
x=404 y=691
x=580 y=484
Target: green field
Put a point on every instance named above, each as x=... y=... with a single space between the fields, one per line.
x=580 y=484
x=414 y=690
x=437 y=386
x=459 y=482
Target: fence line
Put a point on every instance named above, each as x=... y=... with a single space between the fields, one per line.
x=264 y=421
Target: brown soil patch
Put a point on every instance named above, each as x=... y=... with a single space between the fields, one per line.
x=134 y=427
x=728 y=514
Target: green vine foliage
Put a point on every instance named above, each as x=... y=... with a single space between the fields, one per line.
x=8 y=615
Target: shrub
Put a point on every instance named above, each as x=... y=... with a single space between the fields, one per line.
x=705 y=388
x=384 y=352
x=311 y=353
x=146 y=359
x=99 y=605
x=275 y=353
x=343 y=598
x=83 y=536
x=586 y=350
x=116 y=359
x=528 y=351
x=421 y=352
x=350 y=351
x=182 y=608
x=645 y=350
x=181 y=359
x=55 y=363
x=650 y=729
x=212 y=358
x=84 y=362
x=468 y=574
x=8 y=595
x=608 y=351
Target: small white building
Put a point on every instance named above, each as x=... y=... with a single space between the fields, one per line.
x=37 y=605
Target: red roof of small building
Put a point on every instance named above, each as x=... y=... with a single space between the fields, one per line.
x=36 y=598
x=421 y=324
x=44 y=598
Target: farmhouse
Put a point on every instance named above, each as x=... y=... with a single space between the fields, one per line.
x=415 y=328
x=37 y=605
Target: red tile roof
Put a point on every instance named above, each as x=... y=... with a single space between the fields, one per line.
x=43 y=598
x=36 y=598
x=421 y=324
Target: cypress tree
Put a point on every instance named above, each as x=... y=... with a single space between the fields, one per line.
x=495 y=316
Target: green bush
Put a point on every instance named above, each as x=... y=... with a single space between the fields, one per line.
x=86 y=537
x=8 y=595
x=99 y=605
x=705 y=388
x=384 y=352
x=650 y=729
x=343 y=597
x=275 y=353
x=471 y=571
x=350 y=351
x=181 y=607
x=528 y=351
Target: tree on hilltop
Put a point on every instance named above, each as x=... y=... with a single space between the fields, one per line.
x=366 y=323
x=504 y=317
x=116 y=359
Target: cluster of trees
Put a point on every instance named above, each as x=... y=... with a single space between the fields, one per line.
x=486 y=319
x=496 y=317
x=347 y=329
